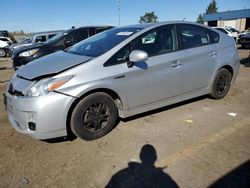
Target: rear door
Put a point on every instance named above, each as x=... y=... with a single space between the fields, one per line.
x=200 y=56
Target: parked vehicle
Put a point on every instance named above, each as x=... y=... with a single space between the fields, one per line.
x=234 y=32
x=34 y=39
x=226 y=31
x=4 y=48
x=58 y=42
x=244 y=40
x=6 y=39
x=4 y=33
x=118 y=73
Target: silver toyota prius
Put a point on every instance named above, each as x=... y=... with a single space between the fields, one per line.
x=119 y=73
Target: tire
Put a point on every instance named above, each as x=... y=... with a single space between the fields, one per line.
x=221 y=84
x=94 y=116
x=2 y=52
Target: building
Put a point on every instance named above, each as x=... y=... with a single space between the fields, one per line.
x=238 y=19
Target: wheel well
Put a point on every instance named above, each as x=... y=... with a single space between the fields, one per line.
x=110 y=92
x=229 y=68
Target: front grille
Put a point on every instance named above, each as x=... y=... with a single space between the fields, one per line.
x=14 y=92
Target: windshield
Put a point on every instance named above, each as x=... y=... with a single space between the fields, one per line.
x=232 y=30
x=29 y=40
x=56 y=37
x=221 y=29
x=102 y=42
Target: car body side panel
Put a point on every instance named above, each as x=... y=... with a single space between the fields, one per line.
x=158 y=78
x=165 y=102
x=227 y=56
x=21 y=108
x=199 y=65
x=111 y=78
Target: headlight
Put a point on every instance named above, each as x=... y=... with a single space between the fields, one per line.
x=45 y=86
x=28 y=53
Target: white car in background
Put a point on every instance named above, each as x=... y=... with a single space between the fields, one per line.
x=234 y=32
x=4 y=47
x=6 y=39
x=226 y=31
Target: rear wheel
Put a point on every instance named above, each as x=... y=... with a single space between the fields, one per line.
x=221 y=84
x=94 y=116
x=2 y=52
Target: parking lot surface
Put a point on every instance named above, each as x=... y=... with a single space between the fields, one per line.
x=197 y=143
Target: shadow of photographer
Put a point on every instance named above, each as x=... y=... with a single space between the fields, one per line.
x=143 y=174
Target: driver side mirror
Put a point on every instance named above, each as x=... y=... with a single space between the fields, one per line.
x=67 y=42
x=137 y=56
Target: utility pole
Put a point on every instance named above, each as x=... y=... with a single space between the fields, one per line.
x=119 y=12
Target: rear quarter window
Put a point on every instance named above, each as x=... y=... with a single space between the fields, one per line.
x=214 y=37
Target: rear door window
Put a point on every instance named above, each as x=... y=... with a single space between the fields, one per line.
x=192 y=36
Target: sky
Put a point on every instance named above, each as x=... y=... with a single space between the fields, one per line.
x=45 y=15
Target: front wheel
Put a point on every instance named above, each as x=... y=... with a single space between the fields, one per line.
x=2 y=52
x=94 y=116
x=221 y=84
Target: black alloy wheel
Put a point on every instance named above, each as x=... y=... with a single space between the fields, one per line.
x=221 y=84
x=94 y=116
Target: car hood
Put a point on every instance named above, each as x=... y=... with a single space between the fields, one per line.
x=3 y=44
x=28 y=46
x=50 y=65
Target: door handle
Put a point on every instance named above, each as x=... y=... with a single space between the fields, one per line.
x=176 y=64
x=119 y=77
x=212 y=54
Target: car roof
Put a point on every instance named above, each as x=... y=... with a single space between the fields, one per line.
x=220 y=28
x=47 y=32
x=87 y=27
x=94 y=26
x=156 y=24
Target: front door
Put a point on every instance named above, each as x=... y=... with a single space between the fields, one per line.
x=161 y=76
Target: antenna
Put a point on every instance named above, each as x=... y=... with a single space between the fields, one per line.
x=119 y=12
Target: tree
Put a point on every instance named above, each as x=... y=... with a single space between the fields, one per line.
x=212 y=7
x=200 y=19
x=148 y=17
